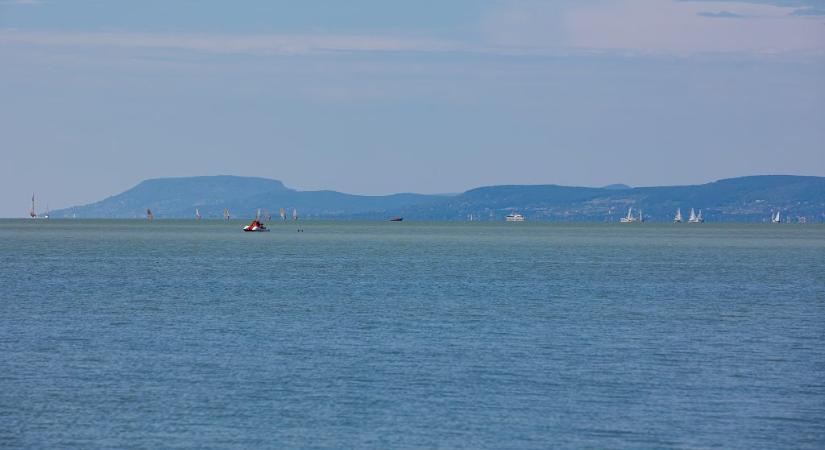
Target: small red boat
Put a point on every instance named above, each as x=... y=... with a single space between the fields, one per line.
x=256 y=225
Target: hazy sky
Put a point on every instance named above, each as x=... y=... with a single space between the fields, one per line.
x=378 y=96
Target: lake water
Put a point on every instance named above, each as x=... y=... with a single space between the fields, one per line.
x=177 y=334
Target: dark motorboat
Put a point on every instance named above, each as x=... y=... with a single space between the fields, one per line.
x=396 y=219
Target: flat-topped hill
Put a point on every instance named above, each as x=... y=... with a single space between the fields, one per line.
x=750 y=199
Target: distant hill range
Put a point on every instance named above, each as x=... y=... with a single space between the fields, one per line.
x=178 y=198
x=745 y=199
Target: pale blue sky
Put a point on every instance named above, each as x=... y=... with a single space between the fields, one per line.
x=372 y=96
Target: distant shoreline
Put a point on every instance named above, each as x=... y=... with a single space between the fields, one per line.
x=276 y=224
x=743 y=199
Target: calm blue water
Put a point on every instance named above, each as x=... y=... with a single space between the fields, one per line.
x=126 y=334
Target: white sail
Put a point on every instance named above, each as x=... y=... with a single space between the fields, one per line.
x=294 y=214
x=678 y=218
x=197 y=214
x=629 y=218
x=695 y=218
x=776 y=218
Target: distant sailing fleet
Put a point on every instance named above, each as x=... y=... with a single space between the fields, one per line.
x=694 y=217
x=259 y=214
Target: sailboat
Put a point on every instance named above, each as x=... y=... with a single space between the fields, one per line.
x=294 y=214
x=695 y=218
x=32 y=212
x=641 y=216
x=775 y=218
x=629 y=218
x=283 y=214
x=149 y=215
x=226 y=214
x=678 y=218
x=46 y=215
x=197 y=214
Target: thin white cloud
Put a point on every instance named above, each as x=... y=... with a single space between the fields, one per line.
x=265 y=44
x=525 y=27
x=656 y=26
x=720 y=15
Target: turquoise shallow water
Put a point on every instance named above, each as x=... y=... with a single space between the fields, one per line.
x=173 y=334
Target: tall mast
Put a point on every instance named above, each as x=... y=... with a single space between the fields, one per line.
x=32 y=212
